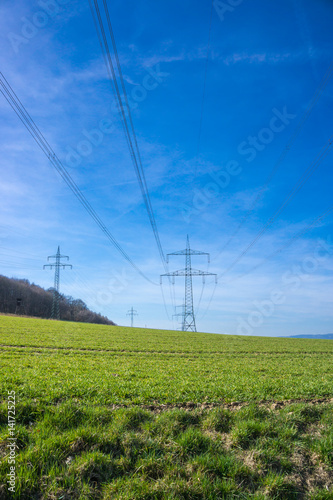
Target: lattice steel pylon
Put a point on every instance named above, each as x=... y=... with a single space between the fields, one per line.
x=132 y=312
x=55 y=313
x=188 y=322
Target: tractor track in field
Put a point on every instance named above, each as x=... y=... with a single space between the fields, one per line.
x=234 y=405
x=156 y=407
x=196 y=354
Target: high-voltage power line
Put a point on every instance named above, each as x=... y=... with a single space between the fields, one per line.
x=32 y=128
x=55 y=313
x=103 y=29
x=298 y=186
x=283 y=155
x=188 y=322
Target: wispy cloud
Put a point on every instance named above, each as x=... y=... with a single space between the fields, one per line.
x=261 y=57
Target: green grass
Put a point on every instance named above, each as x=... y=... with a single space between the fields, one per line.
x=97 y=415
x=108 y=365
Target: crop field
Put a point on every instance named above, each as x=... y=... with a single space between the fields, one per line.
x=107 y=412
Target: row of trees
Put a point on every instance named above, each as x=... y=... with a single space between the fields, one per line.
x=19 y=296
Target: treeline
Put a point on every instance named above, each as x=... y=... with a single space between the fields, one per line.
x=19 y=296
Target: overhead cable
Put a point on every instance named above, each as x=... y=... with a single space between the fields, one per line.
x=124 y=110
x=298 y=186
x=32 y=128
x=282 y=156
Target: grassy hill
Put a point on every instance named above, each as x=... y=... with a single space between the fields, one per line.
x=111 y=412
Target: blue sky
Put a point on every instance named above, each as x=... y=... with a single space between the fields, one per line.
x=265 y=64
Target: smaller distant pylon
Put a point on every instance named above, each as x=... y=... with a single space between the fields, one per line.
x=132 y=312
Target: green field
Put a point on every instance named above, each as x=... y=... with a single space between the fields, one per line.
x=107 y=412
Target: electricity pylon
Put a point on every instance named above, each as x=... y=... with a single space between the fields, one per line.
x=55 y=313
x=132 y=312
x=188 y=322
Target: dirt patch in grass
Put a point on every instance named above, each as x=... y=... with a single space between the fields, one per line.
x=309 y=473
x=249 y=458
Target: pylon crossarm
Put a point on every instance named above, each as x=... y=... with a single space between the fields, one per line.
x=188 y=251
x=197 y=272
x=196 y=252
x=184 y=272
x=180 y=252
x=175 y=273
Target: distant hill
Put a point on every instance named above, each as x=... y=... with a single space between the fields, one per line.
x=326 y=336
x=19 y=296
